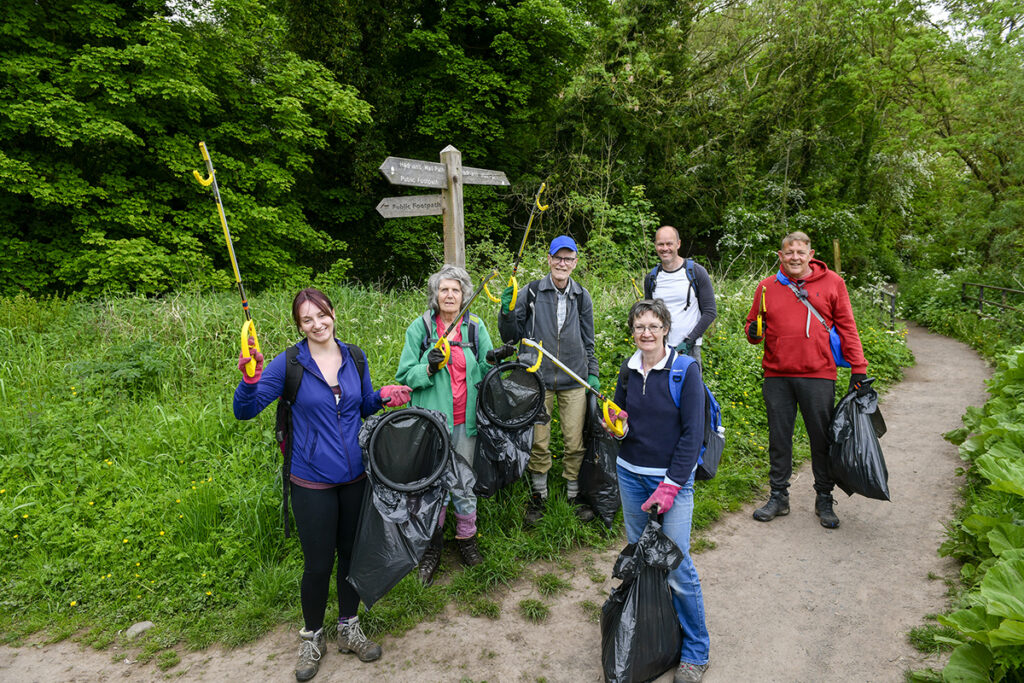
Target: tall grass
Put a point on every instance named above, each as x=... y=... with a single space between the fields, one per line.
x=128 y=491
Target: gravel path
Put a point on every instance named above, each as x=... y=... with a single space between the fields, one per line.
x=786 y=601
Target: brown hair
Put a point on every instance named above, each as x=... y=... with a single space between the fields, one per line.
x=315 y=297
x=657 y=307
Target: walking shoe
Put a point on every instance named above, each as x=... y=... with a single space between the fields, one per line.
x=534 y=510
x=777 y=505
x=352 y=640
x=583 y=511
x=823 y=508
x=471 y=556
x=310 y=651
x=431 y=559
x=690 y=673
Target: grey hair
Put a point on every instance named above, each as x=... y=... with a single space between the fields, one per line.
x=796 y=237
x=448 y=272
x=655 y=306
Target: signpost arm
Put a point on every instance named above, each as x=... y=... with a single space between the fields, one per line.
x=451 y=209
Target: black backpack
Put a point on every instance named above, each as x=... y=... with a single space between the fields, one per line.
x=472 y=333
x=283 y=426
x=651 y=281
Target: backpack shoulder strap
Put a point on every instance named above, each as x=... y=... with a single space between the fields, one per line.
x=283 y=427
x=425 y=344
x=651 y=281
x=474 y=334
x=359 y=356
x=680 y=364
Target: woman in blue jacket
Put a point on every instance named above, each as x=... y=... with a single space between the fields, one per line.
x=657 y=459
x=327 y=476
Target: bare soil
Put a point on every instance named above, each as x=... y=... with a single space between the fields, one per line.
x=785 y=601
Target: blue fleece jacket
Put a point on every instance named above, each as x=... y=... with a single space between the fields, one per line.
x=325 y=446
x=662 y=440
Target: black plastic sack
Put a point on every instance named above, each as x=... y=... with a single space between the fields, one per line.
x=599 y=480
x=410 y=469
x=510 y=402
x=640 y=633
x=856 y=463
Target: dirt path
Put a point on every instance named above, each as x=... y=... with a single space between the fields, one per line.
x=786 y=601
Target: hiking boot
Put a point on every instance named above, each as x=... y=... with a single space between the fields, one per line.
x=582 y=511
x=471 y=556
x=310 y=651
x=776 y=506
x=352 y=640
x=690 y=673
x=431 y=559
x=823 y=508
x=534 y=510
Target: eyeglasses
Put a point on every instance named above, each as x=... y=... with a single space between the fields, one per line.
x=564 y=259
x=653 y=329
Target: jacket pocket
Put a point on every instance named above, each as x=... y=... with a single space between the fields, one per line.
x=800 y=355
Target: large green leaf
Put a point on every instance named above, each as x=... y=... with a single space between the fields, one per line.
x=969 y=664
x=1003 y=589
x=1003 y=465
x=975 y=622
x=1010 y=632
x=1006 y=537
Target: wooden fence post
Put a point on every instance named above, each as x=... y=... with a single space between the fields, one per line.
x=451 y=209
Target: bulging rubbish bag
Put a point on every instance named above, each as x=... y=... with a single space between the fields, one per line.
x=410 y=469
x=856 y=463
x=510 y=401
x=640 y=633
x=599 y=480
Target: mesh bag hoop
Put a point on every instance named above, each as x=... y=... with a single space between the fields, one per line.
x=516 y=421
x=420 y=484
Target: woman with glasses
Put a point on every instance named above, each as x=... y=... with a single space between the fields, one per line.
x=657 y=459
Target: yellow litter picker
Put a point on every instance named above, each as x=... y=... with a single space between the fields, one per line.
x=607 y=404
x=248 y=327
x=512 y=281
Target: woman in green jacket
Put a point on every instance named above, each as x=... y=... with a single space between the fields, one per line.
x=451 y=390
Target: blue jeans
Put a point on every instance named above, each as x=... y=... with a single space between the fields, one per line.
x=635 y=489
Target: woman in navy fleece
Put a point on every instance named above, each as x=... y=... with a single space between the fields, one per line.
x=657 y=459
x=327 y=476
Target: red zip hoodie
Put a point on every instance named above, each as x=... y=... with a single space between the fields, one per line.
x=795 y=343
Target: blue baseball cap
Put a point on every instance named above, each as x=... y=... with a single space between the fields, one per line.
x=562 y=242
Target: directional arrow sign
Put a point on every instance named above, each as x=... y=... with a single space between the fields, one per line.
x=404 y=207
x=482 y=176
x=413 y=172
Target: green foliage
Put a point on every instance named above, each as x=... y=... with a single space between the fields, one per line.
x=534 y=610
x=549 y=584
x=988 y=537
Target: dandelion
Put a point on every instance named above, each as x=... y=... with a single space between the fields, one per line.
x=125 y=540
x=74 y=603
x=108 y=576
x=161 y=533
x=178 y=500
x=209 y=592
x=137 y=564
x=24 y=516
x=92 y=502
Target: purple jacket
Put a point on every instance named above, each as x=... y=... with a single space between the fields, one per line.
x=325 y=446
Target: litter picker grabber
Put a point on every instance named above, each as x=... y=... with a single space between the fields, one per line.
x=761 y=310
x=442 y=342
x=639 y=294
x=607 y=404
x=512 y=282
x=248 y=327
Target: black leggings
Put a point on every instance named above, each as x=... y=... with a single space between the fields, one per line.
x=327 y=520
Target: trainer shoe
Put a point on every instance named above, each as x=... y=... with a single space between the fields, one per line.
x=690 y=673
x=823 y=508
x=534 y=510
x=352 y=640
x=310 y=651
x=776 y=506
x=583 y=511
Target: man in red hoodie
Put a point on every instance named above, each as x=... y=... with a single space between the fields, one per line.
x=799 y=369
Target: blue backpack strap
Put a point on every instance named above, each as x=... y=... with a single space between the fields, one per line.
x=680 y=364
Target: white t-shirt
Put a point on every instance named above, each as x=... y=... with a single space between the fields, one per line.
x=672 y=289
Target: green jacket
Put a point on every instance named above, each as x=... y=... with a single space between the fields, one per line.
x=435 y=391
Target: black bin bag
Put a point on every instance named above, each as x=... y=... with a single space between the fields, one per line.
x=856 y=463
x=599 y=479
x=510 y=400
x=409 y=469
x=640 y=633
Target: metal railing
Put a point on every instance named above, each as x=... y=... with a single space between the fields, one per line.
x=982 y=300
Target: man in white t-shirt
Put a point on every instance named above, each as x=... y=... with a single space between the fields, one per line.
x=685 y=287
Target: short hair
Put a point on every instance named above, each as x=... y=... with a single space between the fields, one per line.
x=448 y=272
x=315 y=297
x=672 y=227
x=796 y=237
x=655 y=306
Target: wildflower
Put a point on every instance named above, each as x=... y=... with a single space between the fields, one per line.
x=74 y=602
x=24 y=516
x=161 y=533
x=209 y=593
x=3 y=490
x=178 y=500
x=138 y=564
x=125 y=540
x=91 y=502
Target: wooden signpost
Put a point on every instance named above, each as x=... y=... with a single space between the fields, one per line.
x=448 y=176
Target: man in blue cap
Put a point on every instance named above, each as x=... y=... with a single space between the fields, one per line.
x=559 y=313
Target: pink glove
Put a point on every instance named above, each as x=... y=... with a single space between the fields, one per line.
x=663 y=497
x=395 y=395
x=243 y=360
x=615 y=415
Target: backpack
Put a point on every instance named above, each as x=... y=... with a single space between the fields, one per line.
x=651 y=281
x=714 y=433
x=283 y=424
x=473 y=333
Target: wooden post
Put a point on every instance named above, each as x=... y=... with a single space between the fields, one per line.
x=451 y=209
x=835 y=255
